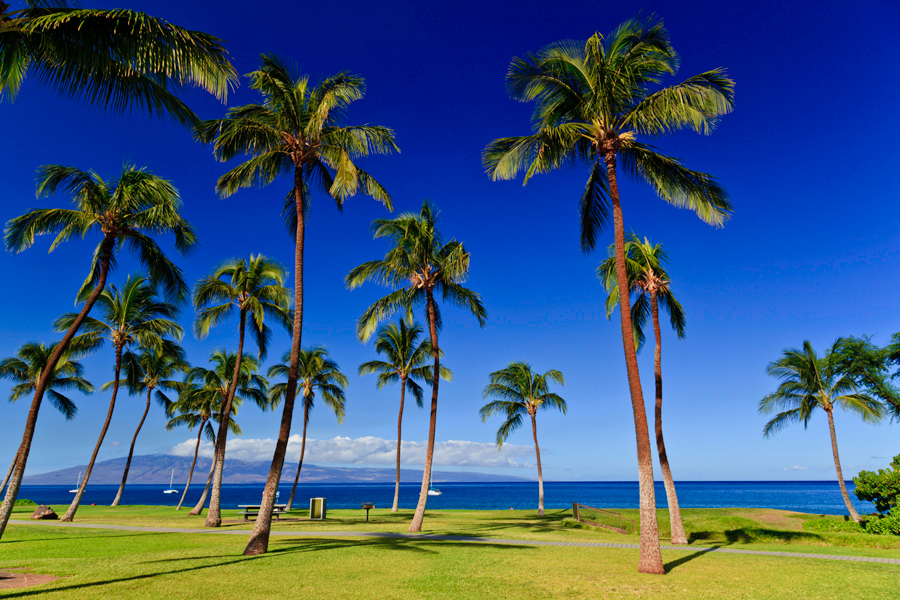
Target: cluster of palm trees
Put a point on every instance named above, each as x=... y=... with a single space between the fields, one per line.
x=595 y=105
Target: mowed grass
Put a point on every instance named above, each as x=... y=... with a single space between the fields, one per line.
x=126 y=564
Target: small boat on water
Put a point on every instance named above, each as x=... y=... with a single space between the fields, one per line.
x=433 y=491
x=77 y=483
x=171 y=480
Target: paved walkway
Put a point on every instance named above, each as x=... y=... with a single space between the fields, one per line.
x=460 y=538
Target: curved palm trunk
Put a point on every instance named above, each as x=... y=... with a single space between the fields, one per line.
x=837 y=467
x=193 y=463
x=70 y=514
x=131 y=450
x=302 y=452
x=537 y=451
x=12 y=466
x=25 y=447
x=416 y=525
x=675 y=523
x=650 y=560
x=214 y=514
x=396 y=506
x=259 y=537
x=202 y=502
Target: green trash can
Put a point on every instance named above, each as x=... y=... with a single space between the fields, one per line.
x=317 y=508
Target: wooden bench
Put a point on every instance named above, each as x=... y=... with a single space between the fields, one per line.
x=252 y=510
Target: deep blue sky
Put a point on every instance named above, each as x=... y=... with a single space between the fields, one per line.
x=808 y=157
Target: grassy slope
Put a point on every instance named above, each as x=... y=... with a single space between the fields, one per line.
x=145 y=565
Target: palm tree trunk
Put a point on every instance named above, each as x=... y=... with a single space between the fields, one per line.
x=537 y=451
x=419 y=516
x=70 y=514
x=8 y=473
x=396 y=506
x=12 y=491
x=675 y=523
x=202 y=502
x=650 y=560
x=302 y=452
x=259 y=537
x=214 y=514
x=131 y=450
x=837 y=467
x=194 y=462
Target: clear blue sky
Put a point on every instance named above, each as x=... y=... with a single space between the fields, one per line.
x=808 y=157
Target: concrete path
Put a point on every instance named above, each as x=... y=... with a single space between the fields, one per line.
x=459 y=538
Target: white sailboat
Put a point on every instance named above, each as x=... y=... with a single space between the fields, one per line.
x=77 y=483
x=171 y=480
x=433 y=491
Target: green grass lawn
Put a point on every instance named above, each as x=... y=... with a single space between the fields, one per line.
x=119 y=564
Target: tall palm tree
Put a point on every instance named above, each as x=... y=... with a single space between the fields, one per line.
x=519 y=391
x=406 y=359
x=255 y=289
x=212 y=386
x=25 y=369
x=593 y=103
x=123 y=210
x=115 y=59
x=201 y=402
x=419 y=265
x=151 y=370
x=648 y=284
x=296 y=131
x=133 y=316
x=809 y=382
x=316 y=373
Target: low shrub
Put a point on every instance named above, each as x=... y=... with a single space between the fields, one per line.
x=843 y=525
x=884 y=526
x=25 y=502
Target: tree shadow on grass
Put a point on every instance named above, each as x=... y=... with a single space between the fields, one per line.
x=750 y=535
x=673 y=564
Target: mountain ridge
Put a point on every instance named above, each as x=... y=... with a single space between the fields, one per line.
x=157 y=468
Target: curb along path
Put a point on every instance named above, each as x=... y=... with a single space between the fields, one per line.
x=460 y=538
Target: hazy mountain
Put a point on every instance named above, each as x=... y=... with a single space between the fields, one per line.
x=157 y=468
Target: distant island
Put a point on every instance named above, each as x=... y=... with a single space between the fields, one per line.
x=157 y=468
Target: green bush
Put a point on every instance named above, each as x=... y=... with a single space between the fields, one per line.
x=884 y=525
x=24 y=502
x=881 y=488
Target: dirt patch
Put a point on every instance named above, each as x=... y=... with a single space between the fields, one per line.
x=10 y=581
x=783 y=519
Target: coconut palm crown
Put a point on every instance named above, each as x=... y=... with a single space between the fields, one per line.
x=117 y=59
x=809 y=382
x=645 y=264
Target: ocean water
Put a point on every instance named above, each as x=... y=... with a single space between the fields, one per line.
x=818 y=497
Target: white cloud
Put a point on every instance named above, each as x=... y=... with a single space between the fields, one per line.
x=115 y=443
x=370 y=450
x=795 y=468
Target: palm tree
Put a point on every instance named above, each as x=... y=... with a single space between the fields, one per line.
x=201 y=402
x=593 y=102
x=809 y=382
x=520 y=391
x=25 y=371
x=316 y=372
x=254 y=288
x=213 y=385
x=647 y=277
x=405 y=363
x=111 y=58
x=296 y=132
x=123 y=210
x=419 y=264
x=150 y=370
x=133 y=316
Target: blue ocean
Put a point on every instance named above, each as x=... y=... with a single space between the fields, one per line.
x=818 y=497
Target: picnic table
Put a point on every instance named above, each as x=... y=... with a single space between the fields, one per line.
x=252 y=510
